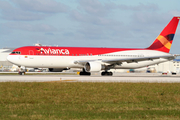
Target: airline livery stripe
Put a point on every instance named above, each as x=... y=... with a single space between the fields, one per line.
x=168 y=45
x=164 y=41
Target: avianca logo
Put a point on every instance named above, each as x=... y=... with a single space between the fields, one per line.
x=55 y=51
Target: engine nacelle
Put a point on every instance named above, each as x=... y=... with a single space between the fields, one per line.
x=57 y=69
x=93 y=67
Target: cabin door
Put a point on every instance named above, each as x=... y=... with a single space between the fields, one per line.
x=31 y=53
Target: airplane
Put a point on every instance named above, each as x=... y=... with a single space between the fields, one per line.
x=91 y=59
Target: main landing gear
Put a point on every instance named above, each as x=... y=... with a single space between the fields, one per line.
x=106 y=73
x=85 y=73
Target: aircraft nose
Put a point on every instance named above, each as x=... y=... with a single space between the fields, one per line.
x=9 y=58
x=14 y=59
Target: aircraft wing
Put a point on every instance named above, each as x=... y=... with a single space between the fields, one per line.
x=128 y=60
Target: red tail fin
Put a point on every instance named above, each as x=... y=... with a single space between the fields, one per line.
x=164 y=40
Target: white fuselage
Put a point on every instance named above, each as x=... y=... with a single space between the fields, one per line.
x=66 y=61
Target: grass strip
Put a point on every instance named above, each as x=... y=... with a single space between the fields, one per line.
x=61 y=100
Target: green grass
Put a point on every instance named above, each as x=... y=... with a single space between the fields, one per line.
x=61 y=100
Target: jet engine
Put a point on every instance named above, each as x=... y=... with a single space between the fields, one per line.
x=57 y=69
x=94 y=67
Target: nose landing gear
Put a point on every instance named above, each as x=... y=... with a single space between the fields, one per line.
x=21 y=71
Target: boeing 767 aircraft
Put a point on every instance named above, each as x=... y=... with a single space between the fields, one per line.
x=97 y=59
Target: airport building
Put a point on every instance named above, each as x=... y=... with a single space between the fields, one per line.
x=166 y=67
x=4 y=64
x=172 y=66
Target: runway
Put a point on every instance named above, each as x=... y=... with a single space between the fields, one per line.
x=127 y=77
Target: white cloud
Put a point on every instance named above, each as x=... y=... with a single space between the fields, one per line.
x=95 y=23
x=96 y=8
x=140 y=7
x=28 y=10
x=175 y=12
x=17 y=14
x=86 y=22
x=29 y=27
x=45 y=6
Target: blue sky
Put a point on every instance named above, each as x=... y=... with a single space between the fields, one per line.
x=86 y=23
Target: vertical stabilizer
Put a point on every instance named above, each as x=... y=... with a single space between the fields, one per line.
x=164 y=40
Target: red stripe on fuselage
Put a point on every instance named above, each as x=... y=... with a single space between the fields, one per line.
x=71 y=51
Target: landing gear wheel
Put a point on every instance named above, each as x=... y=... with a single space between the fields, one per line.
x=85 y=73
x=109 y=73
x=21 y=73
x=106 y=73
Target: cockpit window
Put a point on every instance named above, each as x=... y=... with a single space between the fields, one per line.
x=16 y=52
